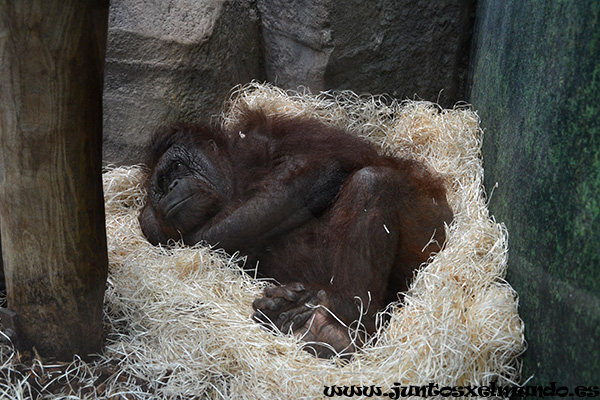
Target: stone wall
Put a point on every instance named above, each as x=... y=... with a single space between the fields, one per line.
x=536 y=83
x=178 y=59
x=172 y=60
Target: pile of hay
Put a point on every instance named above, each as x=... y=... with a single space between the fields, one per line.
x=179 y=320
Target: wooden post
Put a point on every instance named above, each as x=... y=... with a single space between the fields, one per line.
x=51 y=201
x=2 y=282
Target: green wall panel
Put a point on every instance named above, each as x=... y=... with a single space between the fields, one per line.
x=535 y=81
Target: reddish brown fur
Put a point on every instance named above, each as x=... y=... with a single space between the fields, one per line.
x=319 y=210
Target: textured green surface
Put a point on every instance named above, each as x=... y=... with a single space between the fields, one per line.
x=535 y=81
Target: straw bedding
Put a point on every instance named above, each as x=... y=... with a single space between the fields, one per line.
x=178 y=320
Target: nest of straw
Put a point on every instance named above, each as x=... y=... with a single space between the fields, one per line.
x=179 y=319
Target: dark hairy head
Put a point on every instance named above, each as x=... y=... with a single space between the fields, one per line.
x=188 y=183
x=183 y=134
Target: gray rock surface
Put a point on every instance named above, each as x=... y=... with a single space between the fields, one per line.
x=403 y=48
x=172 y=60
x=178 y=59
x=397 y=47
x=297 y=42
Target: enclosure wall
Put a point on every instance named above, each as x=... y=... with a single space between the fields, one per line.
x=535 y=79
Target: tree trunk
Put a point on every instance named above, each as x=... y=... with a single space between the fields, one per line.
x=2 y=283
x=51 y=202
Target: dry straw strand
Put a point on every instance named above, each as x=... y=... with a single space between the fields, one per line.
x=178 y=320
